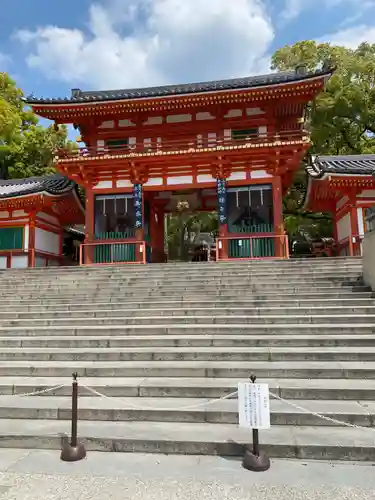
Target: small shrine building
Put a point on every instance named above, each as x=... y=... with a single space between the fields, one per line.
x=34 y=214
x=343 y=186
x=229 y=146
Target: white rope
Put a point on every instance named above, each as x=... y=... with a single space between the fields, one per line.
x=135 y=407
x=36 y=393
x=319 y=415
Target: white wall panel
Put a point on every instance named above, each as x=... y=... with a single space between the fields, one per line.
x=49 y=218
x=40 y=262
x=26 y=237
x=19 y=262
x=183 y=179
x=4 y=215
x=343 y=227
x=3 y=262
x=46 y=241
x=361 y=226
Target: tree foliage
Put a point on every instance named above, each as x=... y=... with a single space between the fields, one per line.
x=26 y=148
x=341 y=120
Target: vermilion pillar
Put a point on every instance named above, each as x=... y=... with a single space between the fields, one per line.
x=278 y=220
x=89 y=225
x=31 y=242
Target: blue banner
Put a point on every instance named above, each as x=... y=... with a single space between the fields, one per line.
x=137 y=191
x=221 y=187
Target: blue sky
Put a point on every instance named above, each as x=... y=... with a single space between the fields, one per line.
x=50 y=46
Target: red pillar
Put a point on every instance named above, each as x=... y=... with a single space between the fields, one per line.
x=278 y=220
x=89 y=225
x=31 y=246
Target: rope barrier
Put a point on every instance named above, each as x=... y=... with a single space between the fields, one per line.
x=191 y=407
x=135 y=407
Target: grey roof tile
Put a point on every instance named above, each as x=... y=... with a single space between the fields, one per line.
x=55 y=184
x=345 y=164
x=79 y=95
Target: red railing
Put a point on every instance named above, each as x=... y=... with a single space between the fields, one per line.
x=251 y=247
x=350 y=246
x=185 y=145
x=32 y=255
x=113 y=252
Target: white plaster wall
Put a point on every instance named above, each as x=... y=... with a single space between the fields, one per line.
x=205 y=115
x=361 y=226
x=262 y=131
x=368 y=259
x=103 y=184
x=343 y=227
x=154 y=181
x=3 y=262
x=40 y=262
x=260 y=174
x=46 y=241
x=4 y=215
x=19 y=262
x=48 y=218
x=179 y=118
x=26 y=237
x=123 y=183
x=341 y=202
x=367 y=193
x=183 y=179
x=19 y=213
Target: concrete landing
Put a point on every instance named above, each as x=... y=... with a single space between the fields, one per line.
x=39 y=474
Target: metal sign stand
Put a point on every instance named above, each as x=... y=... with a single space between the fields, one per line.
x=255 y=460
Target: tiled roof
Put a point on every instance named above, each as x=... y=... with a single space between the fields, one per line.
x=80 y=96
x=347 y=164
x=55 y=184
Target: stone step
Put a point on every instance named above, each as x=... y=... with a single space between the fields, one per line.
x=188 y=329
x=191 y=320
x=192 y=266
x=208 y=288
x=193 y=410
x=229 y=278
x=176 y=280
x=42 y=315
x=307 y=442
x=210 y=369
x=323 y=389
x=214 y=295
x=189 y=354
x=197 y=341
x=280 y=303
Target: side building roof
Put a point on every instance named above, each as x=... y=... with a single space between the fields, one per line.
x=55 y=185
x=336 y=170
x=342 y=165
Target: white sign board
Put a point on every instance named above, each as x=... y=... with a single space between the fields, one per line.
x=253 y=405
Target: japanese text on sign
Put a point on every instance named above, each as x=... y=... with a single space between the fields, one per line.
x=253 y=405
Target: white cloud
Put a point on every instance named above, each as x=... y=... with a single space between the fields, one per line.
x=351 y=37
x=143 y=42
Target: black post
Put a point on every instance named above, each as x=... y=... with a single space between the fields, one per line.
x=255 y=460
x=73 y=451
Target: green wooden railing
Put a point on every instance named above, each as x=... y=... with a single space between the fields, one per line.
x=114 y=252
x=255 y=247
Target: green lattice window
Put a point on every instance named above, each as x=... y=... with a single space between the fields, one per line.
x=11 y=238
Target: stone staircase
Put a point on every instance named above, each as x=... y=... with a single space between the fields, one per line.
x=161 y=341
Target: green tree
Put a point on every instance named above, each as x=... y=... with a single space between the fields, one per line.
x=26 y=148
x=341 y=119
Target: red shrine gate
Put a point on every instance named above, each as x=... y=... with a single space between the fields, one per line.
x=230 y=146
